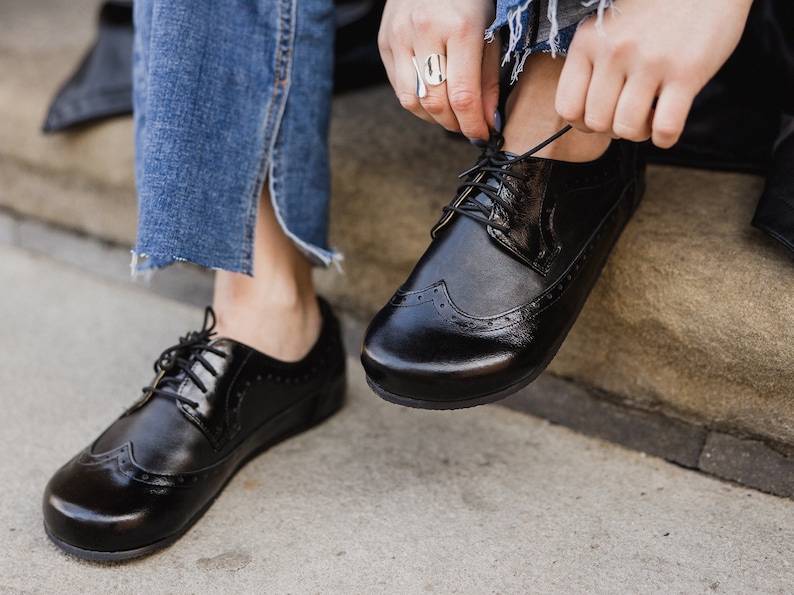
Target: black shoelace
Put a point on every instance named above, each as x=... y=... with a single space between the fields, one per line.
x=493 y=163
x=190 y=349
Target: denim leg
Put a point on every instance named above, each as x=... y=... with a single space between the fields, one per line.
x=227 y=95
x=299 y=173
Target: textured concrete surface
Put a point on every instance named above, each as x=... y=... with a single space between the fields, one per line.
x=80 y=179
x=379 y=499
x=694 y=313
x=749 y=462
x=691 y=319
x=40 y=44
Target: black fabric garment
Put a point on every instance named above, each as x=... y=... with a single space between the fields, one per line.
x=775 y=211
x=736 y=121
x=357 y=62
x=102 y=85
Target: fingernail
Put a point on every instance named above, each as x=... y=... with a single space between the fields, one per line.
x=497 y=121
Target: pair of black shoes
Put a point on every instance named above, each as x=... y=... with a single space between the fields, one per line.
x=486 y=308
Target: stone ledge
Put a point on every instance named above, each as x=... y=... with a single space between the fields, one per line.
x=70 y=201
x=692 y=314
x=748 y=462
x=41 y=44
x=568 y=404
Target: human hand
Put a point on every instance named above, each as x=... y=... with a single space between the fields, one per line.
x=650 y=50
x=467 y=100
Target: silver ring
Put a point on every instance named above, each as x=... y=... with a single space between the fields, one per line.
x=435 y=67
x=421 y=89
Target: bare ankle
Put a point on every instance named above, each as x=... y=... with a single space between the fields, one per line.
x=284 y=332
x=278 y=316
x=531 y=117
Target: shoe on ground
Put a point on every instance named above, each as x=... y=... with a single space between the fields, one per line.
x=214 y=404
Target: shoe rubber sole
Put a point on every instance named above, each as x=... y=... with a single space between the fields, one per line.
x=464 y=403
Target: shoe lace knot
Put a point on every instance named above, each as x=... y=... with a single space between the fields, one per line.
x=177 y=362
x=486 y=178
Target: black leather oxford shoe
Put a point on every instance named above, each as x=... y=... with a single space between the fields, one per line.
x=509 y=268
x=214 y=404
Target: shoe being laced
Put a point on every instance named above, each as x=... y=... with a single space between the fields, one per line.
x=485 y=177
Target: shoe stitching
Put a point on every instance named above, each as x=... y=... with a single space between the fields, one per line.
x=236 y=394
x=127 y=466
x=544 y=259
x=517 y=315
x=188 y=353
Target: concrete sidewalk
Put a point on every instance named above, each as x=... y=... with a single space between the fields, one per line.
x=380 y=499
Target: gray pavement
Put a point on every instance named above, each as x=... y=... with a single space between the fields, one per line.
x=380 y=499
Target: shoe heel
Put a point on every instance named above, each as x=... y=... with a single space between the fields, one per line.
x=331 y=399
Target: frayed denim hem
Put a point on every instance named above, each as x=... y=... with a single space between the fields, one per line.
x=561 y=22
x=146 y=264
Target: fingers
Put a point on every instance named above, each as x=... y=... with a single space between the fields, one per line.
x=572 y=87
x=612 y=77
x=463 y=105
x=457 y=103
x=437 y=102
x=613 y=97
x=670 y=115
x=634 y=109
x=395 y=44
x=490 y=84
x=606 y=85
x=411 y=31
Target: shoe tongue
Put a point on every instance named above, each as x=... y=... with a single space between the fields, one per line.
x=483 y=198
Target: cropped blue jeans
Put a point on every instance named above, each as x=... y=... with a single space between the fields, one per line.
x=230 y=95
x=234 y=94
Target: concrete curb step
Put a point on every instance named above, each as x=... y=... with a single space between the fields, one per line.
x=746 y=461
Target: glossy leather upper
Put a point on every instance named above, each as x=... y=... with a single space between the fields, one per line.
x=156 y=469
x=775 y=211
x=486 y=307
